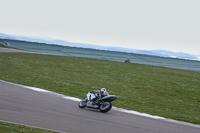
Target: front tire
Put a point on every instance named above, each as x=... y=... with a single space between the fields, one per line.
x=105 y=107
x=82 y=103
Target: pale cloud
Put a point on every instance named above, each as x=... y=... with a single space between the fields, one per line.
x=140 y=24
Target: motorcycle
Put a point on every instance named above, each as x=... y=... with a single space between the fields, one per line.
x=127 y=61
x=103 y=103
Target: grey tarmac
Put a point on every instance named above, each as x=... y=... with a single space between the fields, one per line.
x=10 y=50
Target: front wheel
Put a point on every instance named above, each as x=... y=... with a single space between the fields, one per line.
x=105 y=107
x=82 y=103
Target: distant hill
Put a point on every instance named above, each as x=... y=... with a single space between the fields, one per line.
x=162 y=53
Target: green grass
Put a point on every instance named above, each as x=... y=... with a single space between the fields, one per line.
x=166 y=92
x=13 y=128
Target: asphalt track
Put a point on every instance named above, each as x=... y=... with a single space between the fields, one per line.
x=46 y=110
x=49 y=111
x=15 y=50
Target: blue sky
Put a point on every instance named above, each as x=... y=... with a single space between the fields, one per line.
x=139 y=24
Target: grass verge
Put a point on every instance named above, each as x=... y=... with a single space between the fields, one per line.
x=166 y=92
x=13 y=128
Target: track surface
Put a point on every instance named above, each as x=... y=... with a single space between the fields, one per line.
x=25 y=106
x=10 y=50
x=14 y=50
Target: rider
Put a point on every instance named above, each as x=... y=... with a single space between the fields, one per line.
x=127 y=60
x=97 y=94
x=101 y=93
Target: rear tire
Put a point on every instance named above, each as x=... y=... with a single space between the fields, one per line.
x=82 y=103
x=105 y=108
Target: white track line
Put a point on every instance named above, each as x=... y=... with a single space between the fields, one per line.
x=115 y=108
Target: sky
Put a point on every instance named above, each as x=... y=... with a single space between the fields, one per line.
x=172 y=25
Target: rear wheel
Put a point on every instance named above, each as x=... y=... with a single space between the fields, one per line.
x=82 y=103
x=105 y=107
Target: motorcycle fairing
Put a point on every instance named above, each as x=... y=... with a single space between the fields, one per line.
x=109 y=98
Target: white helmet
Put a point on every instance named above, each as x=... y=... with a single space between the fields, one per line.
x=103 y=89
x=104 y=92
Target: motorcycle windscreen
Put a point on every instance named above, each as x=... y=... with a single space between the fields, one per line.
x=90 y=96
